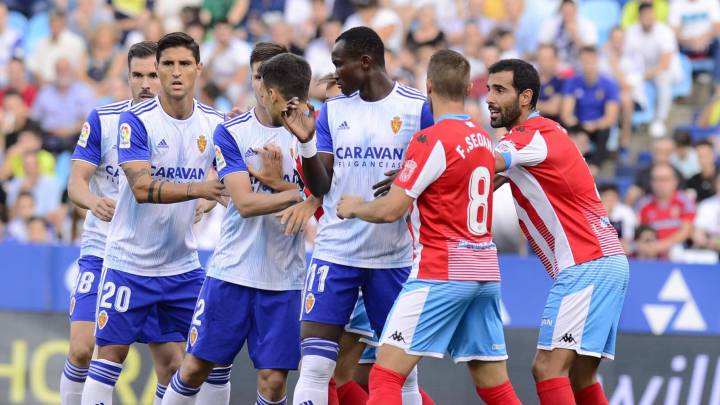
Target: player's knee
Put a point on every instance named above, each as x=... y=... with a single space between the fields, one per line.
x=167 y=368
x=271 y=384
x=544 y=368
x=194 y=371
x=80 y=354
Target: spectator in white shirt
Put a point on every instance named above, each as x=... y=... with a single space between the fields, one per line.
x=62 y=43
x=569 y=32
x=227 y=61
x=656 y=44
x=697 y=25
x=10 y=41
x=707 y=222
x=622 y=217
x=383 y=20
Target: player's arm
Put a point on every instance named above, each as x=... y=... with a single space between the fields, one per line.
x=134 y=159
x=251 y=204
x=297 y=216
x=271 y=172
x=86 y=158
x=388 y=208
x=315 y=144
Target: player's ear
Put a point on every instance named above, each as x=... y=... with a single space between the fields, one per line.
x=365 y=62
x=526 y=97
x=469 y=88
x=200 y=67
x=428 y=87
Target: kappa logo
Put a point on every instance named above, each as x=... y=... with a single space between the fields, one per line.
x=567 y=338
x=665 y=316
x=343 y=125
x=398 y=337
x=162 y=144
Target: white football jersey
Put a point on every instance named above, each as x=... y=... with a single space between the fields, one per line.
x=97 y=146
x=157 y=239
x=255 y=252
x=367 y=139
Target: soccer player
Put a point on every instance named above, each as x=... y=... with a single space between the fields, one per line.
x=360 y=135
x=255 y=276
x=151 y=264
x=93 y=185
x=567 y=226
x=451 y=302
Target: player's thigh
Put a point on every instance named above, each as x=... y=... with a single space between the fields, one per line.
x=380 y=291
x=426 y=315
x=479 y=335
x=180 y=296
x=329 y=296
x=83 y=300
x=351 y=349
x=221 y=322
x=124 y=302
x=273 y=340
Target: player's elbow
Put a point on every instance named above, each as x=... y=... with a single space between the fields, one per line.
x=392 y=215
x=246 y=208
x=140 y=193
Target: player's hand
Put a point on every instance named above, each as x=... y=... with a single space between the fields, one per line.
x=299 y=119
x=381 y=188
x=203 y=207
x=271 y=172
x=210 y=190
x=104 y=209
x=296 y=217
x=233 y=113
x=347 y=205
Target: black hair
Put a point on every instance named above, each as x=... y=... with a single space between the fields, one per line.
x=361 y=41
x=682 y=137
x=603 y=187
x=705 y=142
x=288 y=73
x=141 y=50
x=588 y=49
x=525 y=77
x=643 y=228
x=181 y=40
x=265 y=51
x=644 y=6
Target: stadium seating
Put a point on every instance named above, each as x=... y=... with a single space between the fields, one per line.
x=605 y=14
x=38 y=28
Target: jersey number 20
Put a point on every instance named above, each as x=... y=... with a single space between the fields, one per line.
x=479 y=190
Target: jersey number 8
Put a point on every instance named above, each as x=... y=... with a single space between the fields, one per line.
x=479 y=191
x=122 y=299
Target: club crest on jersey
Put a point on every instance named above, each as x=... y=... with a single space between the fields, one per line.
x=84 y=135
x=219 y=159
x=193 y=336
x=408 y=170
x=125 y=136
x=309 y=302
x=396 y=124
x=202 y=143
x=72 y=305
x=102 y=319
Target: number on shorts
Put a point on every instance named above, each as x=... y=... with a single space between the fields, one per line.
x=479 y=190
x=199 y=309
x=314 y=270
x=85 y=281
x=122 y=298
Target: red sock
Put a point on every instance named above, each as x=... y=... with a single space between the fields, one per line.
x=503 y=394
x=351 y=393
x=426 y=400
x=591 y=395
x=385 y=386
x=332 y=393
x=555 y=391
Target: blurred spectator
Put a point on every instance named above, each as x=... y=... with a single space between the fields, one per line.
x=151 y=29
x=196 y=30
x=471 y=47
x=170 y=12
x=17 y=82
x=707 y=222
x=241 y=11
x=569 y=32
x=105 y=59
x=38 y=231
x=645 y=241
x=697 y=25
x=425 y=31
x=130 y=14
x=318 y=56
x=29 y=142
x=383 y=20
x=591 y=101
x=227 y=60
x=28 y=7
x=15 y=120
x=281 y=33
x=551 y=84
x=668 y=210
x=10 y=43
x=702 y=186
x=87 y=16
x=61 y=108
x=630 y=11
x=656 y=43
x=45 y=189
x=506 y=42
x=621 y=216
x=662 y=149
x=710 y=114
x=61 y=44
x=685 y=157
x=628 y=70
x=22 y=210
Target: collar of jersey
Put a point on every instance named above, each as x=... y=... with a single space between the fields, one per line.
x=534 y=114
x=460 y=117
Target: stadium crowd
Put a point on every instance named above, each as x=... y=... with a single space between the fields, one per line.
x=636 y=84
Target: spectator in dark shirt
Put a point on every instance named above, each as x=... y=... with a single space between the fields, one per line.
x=15 y=120
x=551 y=84
x=662 y=150
x=701 y=185
x=591 y=101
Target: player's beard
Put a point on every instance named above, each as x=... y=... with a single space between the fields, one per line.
x=508 y=116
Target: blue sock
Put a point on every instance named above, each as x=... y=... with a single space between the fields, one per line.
x=160 y=390
x=75 y=373
x=219 y=375
x=178 y=386
x=105 y=371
